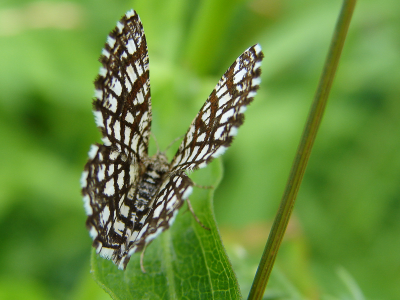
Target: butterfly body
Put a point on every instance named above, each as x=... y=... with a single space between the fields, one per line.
x=129 y=197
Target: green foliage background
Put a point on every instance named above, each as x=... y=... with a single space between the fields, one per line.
x=344 y=238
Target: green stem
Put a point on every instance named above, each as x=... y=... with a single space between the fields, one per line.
x=303 y=153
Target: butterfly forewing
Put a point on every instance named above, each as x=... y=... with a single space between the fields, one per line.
x=122 y=106
x=131 y=198
x=217 y=122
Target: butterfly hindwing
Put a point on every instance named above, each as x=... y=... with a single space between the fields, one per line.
x=172 y=193
x=106 y=183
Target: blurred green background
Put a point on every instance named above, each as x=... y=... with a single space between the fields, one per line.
x=344 y=238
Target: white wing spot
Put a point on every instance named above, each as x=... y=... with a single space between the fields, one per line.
x=139 y=97
x=113 y=103
x=171 y=203
x=93 y=151
x=139 y=68
x=109 y=188
x=105 y=53
x=87 y=205
x=98 y=118
x=101 y=173
x=128 y=85
x=111 y=41
x=105 y=214
x=203 y=152
x=117 y=130
x=158 y=211
x=131 y=73
x=119 y=227
x=172 y=219
x=130 y=14
x=116 y=86
x=84 y=178
x=251 y=94
x=218 y=133
x=256 y=81
x=205 y=115
x=120 y=26
x=93 y=232
x=142 y=231
x=124 y=210
x=225 y=98
x=187 y=193
x=239 y=76
x=102 y=71
x=152 y=236
x=121 y=179
x=98 y=94
x=129 y=117
x=130 y=46
x=106 y=252
x=127 y=135
x=221 y=150
x=201 y=137
x=233 y=131
x=106 y=141
x=225 y=116
x=221 y=91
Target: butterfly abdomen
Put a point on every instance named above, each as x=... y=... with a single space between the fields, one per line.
x=150 y=181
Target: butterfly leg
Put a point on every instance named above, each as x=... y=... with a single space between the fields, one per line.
x=206 y=187
x=142 y=258
x=194 y=215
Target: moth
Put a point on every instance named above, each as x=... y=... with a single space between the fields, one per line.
x=129 y=197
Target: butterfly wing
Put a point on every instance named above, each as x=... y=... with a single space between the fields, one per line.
x=217 y=122
x=106 y=186
x=122 y=111
x=210 y=133
x=122 y=106
x=171 y=195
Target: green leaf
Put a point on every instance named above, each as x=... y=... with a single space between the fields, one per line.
x=184 y=262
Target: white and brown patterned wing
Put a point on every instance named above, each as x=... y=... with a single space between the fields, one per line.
x=122 y=111
x=217 y=122
x=174 y=190
x=107 y=187
x=122 y=106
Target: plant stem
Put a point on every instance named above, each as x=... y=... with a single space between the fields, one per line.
x=303 y=152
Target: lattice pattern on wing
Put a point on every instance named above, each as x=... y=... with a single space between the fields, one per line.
x=106 y=187
x=131 y=198
x=174 y=190
x=122 y=106
x=217 y=122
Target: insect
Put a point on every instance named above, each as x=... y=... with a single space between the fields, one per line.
x=129 y=197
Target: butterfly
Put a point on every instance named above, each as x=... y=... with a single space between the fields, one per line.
x=130 y=197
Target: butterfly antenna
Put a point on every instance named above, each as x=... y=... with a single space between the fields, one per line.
x=157 y=145
x=173 y=142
